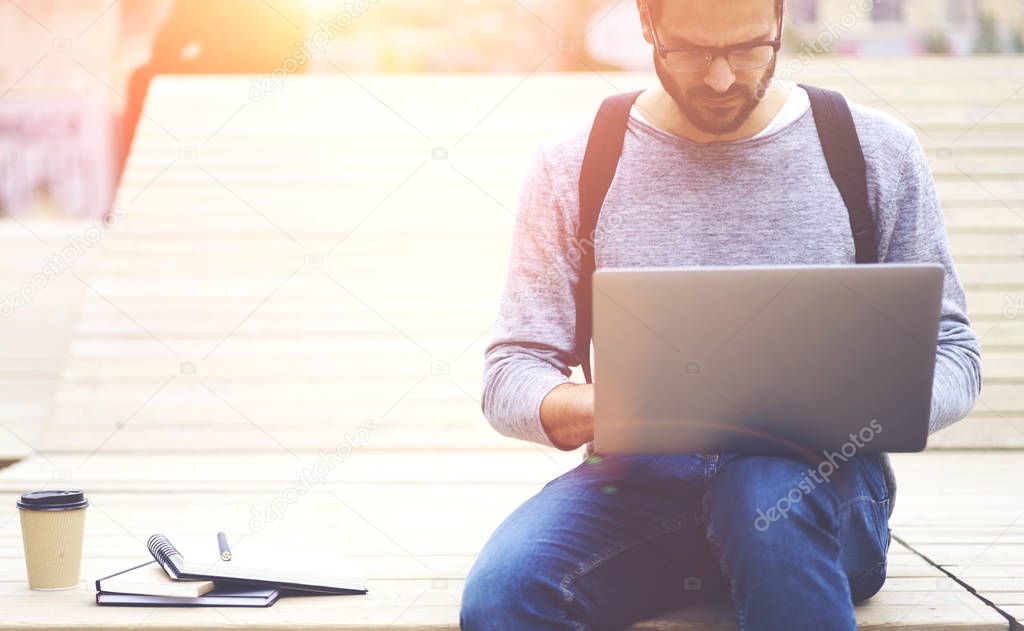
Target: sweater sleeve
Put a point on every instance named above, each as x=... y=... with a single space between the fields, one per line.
x=919 y=236
x=534 y=343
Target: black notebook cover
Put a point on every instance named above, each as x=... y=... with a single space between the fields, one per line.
x=227 y=596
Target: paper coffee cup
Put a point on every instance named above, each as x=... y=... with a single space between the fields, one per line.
x=52 y=527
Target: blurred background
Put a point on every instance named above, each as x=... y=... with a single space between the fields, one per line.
x=235 y=234
x=73 y=73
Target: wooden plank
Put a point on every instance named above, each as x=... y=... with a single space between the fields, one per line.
x=977 y=537
x=302 y=434
x=995 y=432
x=351 y=464
x=39 y=301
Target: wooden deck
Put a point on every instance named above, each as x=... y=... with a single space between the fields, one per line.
x=319 y=272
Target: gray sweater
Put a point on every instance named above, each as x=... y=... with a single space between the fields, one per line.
x=675 y=202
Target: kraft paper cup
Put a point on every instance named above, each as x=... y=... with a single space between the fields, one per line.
x=52 y=528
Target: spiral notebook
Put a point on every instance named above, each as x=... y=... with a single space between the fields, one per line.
x=255 y=561
x=147 y=585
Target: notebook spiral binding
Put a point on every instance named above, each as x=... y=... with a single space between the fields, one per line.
x=162 y=549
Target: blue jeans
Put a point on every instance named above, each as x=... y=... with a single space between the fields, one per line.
x=619 y=539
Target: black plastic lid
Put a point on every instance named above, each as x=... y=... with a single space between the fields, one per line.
x=53 y=500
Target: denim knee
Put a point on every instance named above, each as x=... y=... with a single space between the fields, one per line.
x=485 y=596
x=512 y=595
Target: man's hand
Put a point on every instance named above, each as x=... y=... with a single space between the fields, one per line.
x=567 y=414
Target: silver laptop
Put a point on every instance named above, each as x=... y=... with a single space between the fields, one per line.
x=765 y=359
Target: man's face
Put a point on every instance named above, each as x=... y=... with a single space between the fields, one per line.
x=718 y=100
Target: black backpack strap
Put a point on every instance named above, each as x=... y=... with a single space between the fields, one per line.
x=601 y=160
x=839 y=140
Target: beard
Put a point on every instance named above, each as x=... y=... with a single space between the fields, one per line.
x=710 y=119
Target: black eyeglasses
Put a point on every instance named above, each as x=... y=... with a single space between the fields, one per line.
x=740 y=57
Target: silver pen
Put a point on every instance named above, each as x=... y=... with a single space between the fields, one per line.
x=222 y=542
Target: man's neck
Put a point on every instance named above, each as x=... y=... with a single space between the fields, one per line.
x=658 y=107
